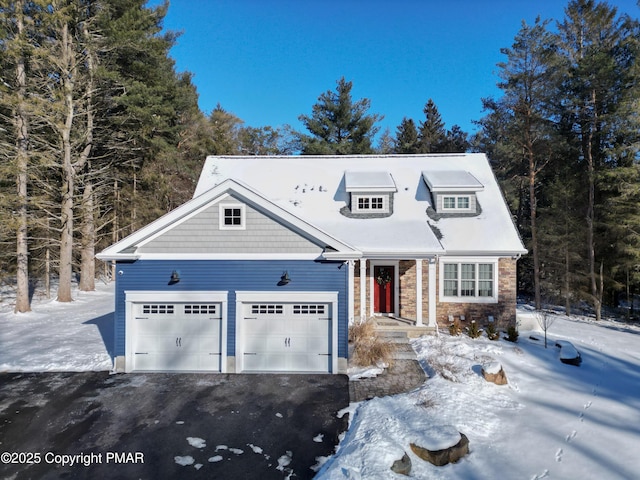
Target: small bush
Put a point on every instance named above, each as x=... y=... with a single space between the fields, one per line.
x=368 y=348
x=492 y=333
x=473 y=330
x=454 y=328
x=512 y=334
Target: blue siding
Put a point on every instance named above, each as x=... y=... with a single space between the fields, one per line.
x=232 y=275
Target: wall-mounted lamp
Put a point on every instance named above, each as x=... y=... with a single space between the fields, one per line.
x=175 y=277
x=284 y=279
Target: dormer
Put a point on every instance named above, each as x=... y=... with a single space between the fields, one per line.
x=453 y=191
x=370 y=194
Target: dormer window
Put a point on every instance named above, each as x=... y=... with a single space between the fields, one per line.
x=370 y=194
x=453 y=191
x=369 y=203
x=461 y=202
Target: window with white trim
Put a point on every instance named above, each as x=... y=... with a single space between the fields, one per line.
x=469 y=280
x=451 y=202
x=232 y=217
x=370 y=203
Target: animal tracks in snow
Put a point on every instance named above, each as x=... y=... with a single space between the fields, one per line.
x=571 y=436
x=559 y=454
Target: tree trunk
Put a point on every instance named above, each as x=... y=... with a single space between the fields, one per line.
x=588 y=153
x=22 y=144
x=533 y=203
x=68 y=172
x=87 y=263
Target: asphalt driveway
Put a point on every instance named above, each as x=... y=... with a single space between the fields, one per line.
x=155 y=426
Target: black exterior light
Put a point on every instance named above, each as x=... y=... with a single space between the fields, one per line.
x=175 y=277
x=284 y=279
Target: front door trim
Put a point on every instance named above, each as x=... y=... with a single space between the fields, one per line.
x=396 y=285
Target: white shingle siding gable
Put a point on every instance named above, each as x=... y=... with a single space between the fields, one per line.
x=202 y=234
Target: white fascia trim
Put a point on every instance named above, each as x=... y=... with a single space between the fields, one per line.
x=122 y=256
x=486 y=253
x=402 y=255
x=230 y=256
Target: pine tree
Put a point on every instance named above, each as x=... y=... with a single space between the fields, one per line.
x=599 y=52
x=338 y=125
x=407 y=137
x=432 y=135
x=526 y=133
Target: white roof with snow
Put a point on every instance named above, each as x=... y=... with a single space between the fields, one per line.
x=316 y=189
x=451 y=181
x=369 y=182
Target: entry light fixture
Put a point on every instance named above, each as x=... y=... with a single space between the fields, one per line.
x=284 y=279
x=175 y=277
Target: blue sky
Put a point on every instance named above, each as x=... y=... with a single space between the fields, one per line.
x=267 y=61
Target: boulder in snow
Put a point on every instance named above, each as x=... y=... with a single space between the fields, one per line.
x=450 y=446
x=568 y=353
x=494 y=373
x=402 y=466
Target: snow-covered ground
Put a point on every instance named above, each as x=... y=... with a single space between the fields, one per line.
x=57 y=336
x=552 y=420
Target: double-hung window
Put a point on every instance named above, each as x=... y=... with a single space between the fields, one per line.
x=468 y=281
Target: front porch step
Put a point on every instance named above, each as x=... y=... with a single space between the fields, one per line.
x=398 y=328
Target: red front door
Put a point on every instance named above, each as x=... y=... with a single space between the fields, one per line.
x=383 y=289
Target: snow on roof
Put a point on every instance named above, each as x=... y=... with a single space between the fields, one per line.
x=315 y=189
x=451 y=180
x=369 y=181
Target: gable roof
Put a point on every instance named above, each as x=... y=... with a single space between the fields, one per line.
x=128 y=248
x=315 y=189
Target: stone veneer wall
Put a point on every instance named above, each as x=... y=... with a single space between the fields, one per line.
x=504 y=312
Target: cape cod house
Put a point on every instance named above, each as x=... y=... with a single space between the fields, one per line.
x=272 y=259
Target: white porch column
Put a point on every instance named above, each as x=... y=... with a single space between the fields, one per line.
x=418 y=292
x=363 y=289
x=432 y=292
x=351 y=264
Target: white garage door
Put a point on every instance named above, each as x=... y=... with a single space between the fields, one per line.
x=294 y=337
x=169 y=336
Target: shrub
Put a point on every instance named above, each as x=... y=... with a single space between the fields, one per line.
x=473 y=330
x=512 y=334
x=492 y=333
x=368 y=347
x=454 y=328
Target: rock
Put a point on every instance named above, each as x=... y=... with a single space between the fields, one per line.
x=444 y=456
x=493 y=372
x=568 y=353
x=402 y=466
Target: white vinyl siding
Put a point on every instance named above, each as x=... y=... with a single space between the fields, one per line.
x=464 y=281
